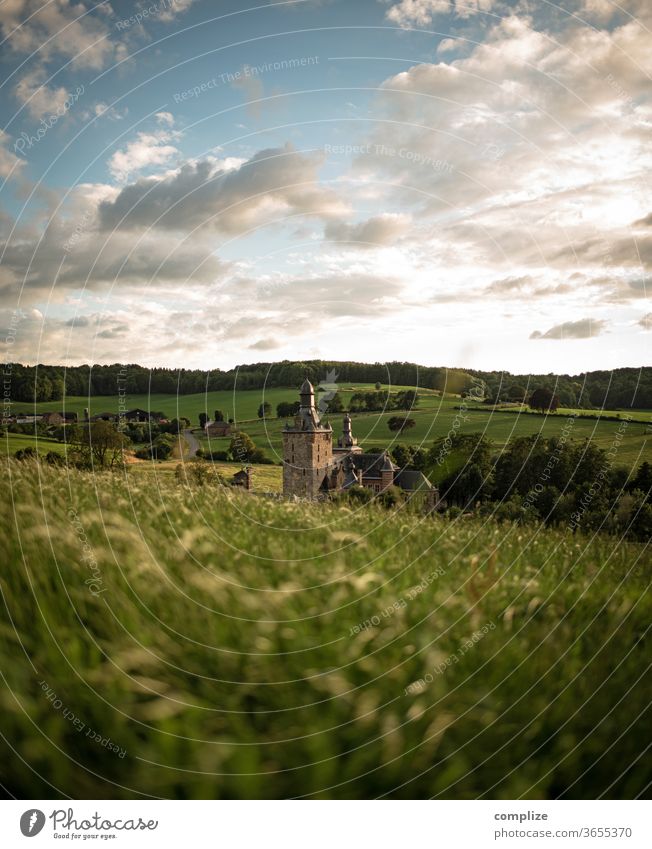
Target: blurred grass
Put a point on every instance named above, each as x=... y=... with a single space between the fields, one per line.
x=222 y=655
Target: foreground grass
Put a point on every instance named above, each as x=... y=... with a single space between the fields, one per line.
x=224 y=652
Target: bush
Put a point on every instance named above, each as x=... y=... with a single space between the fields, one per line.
x=54 y=459
x=28 y=453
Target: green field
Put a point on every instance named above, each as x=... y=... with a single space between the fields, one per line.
x=236 y=646
x=240 y=406
x=435 y=416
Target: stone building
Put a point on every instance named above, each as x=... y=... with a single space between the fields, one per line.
x=313 y=468
x=307 y=449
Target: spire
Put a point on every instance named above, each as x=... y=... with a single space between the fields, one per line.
x=307 y=394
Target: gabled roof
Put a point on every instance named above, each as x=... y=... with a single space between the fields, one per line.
x=411 y=480
x=372 y=464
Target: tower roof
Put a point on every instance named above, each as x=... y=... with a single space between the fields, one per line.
x=388 y=466
x=307 y=388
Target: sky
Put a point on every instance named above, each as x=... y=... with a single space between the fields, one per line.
x=204 y=184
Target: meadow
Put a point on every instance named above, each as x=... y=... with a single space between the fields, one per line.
x=164 y=641
x=435 y=416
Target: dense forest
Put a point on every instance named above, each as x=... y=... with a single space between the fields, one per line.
x=628 y=388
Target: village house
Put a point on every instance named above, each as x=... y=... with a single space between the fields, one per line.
x=217 y=429
x=313 y=468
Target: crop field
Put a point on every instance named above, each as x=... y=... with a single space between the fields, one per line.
x=165 y=641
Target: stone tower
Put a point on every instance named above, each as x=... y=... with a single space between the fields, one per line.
x=307 y=449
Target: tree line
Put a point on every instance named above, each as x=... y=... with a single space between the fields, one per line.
x=558 y=481
x=620 y=388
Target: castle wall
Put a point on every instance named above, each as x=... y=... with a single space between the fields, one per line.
x=307 y=457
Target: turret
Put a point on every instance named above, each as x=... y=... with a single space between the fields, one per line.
x=387 y=472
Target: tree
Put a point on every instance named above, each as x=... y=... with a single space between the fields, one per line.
x=543 y=400
x=287 y=409
x=406 y=399
x=264 y=410
x=218 y=416
x=335 y=404
x=391 y=497
x=99 y=444
x=203 y=418
x=242 y=447
x=400 y=423
x=643 y=480
x=516 y=392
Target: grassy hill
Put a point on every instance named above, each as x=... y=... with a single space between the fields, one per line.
x=170 y=642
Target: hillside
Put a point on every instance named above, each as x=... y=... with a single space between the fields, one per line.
x=170 y=642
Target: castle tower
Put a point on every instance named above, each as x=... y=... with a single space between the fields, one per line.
x=307 y=449
x=347 y=442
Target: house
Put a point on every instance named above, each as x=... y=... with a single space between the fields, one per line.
x=60 y=418
x=104 y=417
x=138 y=415
x=243 y=478
x=313 y=468
x=217 y=429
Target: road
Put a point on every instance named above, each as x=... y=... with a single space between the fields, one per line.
x=192 y=442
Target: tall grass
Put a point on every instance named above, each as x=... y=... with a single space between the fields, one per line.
x=230 y=645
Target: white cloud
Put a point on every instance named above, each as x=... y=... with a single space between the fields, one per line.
x=379 y=230
x=585 y=328
x=9 y=162
x=39 y=98
x=420 y=13
x=272 y=183
x=146 y=151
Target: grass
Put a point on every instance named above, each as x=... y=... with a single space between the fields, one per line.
x=223 y=652
x=265 y=478
x=240 y=406
x=435 y=416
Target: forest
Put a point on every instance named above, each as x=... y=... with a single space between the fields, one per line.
x=623 y=388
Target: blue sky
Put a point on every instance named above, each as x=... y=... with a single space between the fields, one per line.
x=462 y=184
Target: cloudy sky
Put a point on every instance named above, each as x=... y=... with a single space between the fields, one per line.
x=202 y=184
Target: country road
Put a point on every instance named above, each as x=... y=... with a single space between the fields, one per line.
x=192 y=442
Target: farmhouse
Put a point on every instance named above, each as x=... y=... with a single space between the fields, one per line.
x=313 y=468
x=217 y=429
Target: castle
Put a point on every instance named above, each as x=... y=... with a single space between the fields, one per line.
x=313 y=468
